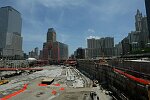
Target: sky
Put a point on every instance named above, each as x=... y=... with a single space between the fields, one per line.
x=75 y=20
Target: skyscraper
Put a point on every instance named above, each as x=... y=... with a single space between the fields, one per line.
x=139 y=38
x=52 y=49
x=91 y=43
x=138 y=20
x=36 y=50
x=10 y=32
x=80 y=53
x=126 y=46
x=59 y=51
x=147 y=4
x=98 y=47
x=109 y=42
x=108 y=46
x=51 y=35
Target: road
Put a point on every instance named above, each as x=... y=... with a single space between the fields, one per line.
x=69 y=84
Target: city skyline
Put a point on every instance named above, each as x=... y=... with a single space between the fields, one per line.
x=74 y=21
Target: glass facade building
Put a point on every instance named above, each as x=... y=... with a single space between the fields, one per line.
x=52 y=49
x=51 y=35
x=99 y=47
x=10 y=32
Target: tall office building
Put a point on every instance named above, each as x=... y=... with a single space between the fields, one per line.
x=41 y=54
x=145 y=33
x=91 y=48
x=36 y=50
x=34 y=53
x=109 y=42
x=10 y=33
x=126 y=46
x=147 y=4
x=139 y=38
x=98 y=47
x=51 y=35
x=59 y=51
x=91 y=43
x=138 y=20
x=108 y=46
x=52 y=49
x=80 y=53
x=134 y=39
x=118 y=49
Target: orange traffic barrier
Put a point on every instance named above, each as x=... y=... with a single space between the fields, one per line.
x=54 y=92
x=56 y=84
x=42 y=84
x=15 y=93
x=62 y=88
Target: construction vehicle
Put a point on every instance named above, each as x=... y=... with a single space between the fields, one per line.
x=3 y=81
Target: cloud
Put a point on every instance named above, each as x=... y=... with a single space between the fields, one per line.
x=60 y=3
x=91 y=37
x=63 y=37
x=91 y=31
x=108 y=10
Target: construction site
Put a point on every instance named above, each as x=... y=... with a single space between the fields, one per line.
x=54 y=82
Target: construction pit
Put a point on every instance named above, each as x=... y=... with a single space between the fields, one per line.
x=52 y=83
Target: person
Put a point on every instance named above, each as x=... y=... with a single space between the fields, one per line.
x=97 y=98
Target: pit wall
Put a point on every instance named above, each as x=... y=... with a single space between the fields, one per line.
x=142 y=67
x=122 y=86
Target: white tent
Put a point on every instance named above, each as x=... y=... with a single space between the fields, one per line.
x=31 y=59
